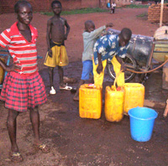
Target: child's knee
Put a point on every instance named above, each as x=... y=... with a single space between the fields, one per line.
x=12 y=115
x=35 y=109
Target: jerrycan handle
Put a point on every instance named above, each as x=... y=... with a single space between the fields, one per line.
x=91 y=86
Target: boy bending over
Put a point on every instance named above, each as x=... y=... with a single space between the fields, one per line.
x=114 y=48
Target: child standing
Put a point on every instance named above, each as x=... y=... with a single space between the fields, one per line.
x=23 y=89
x=113 y=6
x=89 y=37
x=57 y=55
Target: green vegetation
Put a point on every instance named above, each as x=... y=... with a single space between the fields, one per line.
x=145 y=14
x=78 y=11
x=137 y=6
x=91 y=10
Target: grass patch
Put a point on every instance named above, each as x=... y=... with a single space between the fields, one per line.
x=137 y=6
x=78 y=11
x=145 y=14
x=92 y=10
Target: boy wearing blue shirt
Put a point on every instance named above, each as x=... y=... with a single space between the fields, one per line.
x=114 y=48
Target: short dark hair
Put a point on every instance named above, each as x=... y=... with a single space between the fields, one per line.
x=88 y=23
x=54 y=2
x=126 y=33
x=20 y=3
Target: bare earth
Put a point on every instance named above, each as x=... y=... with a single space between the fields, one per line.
x=75 y=141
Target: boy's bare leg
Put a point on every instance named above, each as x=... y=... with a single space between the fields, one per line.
x=35 y=120
x=51 y=77
x=61 y=74
x=76 y=96
x=11 y=125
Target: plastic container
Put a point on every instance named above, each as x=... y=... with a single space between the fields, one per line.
x=2 y=72
x=114 y=104
x=134 y=96
x=108 y=5
x=160 y=52
x=141 y=123
x=90 y=101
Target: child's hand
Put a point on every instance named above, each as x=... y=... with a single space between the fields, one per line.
x=50 y=53
x=166 y=110
x=99 y=68
x=123 y=68
x=109 y=25
x=13 y=67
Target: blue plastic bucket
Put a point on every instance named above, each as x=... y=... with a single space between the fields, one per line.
x=108 y=5
x=141 y=123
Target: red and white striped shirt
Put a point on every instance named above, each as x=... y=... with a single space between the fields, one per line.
x=20 y=49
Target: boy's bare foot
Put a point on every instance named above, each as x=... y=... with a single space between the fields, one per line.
x=69 y=80
x=76 y=98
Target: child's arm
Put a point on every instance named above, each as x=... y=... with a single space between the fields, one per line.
x=121 y=62
x=67 y=29
x=97 y=32
x=9 y=68
x=100 y=66
x=48 y=38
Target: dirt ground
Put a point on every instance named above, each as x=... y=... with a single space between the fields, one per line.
x=79 y=142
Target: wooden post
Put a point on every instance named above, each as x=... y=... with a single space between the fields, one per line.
x=161 y=12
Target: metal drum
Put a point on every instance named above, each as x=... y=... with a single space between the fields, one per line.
x=140 y=47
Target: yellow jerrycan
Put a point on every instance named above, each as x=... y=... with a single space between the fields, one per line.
x=2 y=71
x=134 y=94
x=90 y=101
x=114 y=104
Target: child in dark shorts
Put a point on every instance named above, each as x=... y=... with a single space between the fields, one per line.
x=23 y=88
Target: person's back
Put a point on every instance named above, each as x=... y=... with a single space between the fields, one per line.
x=113 y=5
